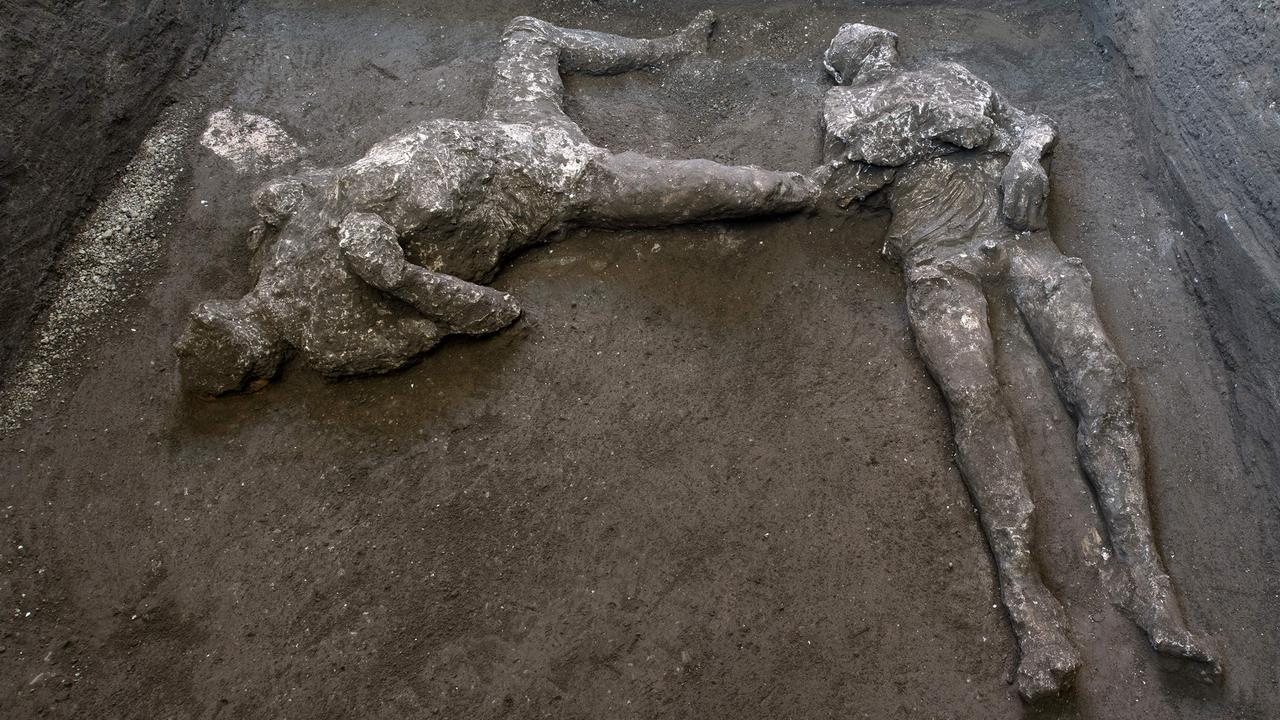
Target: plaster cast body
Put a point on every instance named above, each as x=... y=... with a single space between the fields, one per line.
x=964 y=181
x=362 y=268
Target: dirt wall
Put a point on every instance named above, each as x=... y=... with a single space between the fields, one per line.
x=82 y=82
x=1203 y=77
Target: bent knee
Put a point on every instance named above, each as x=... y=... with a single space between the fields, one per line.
x=526 y=24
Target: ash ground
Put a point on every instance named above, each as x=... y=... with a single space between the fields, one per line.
x=705 y=476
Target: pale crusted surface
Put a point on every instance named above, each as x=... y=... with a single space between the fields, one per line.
x=251 y=143
x=945 y=208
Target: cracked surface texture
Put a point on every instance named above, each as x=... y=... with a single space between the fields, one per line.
x=967 y=193
x=363 y=268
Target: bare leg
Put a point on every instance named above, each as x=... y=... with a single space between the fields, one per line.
x=948 y=313
x=373 y=252
x=1053 y=295
x=628 y=189
x=527 y=86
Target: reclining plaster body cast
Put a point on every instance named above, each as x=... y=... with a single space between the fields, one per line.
x=966 y=188
x=363 y=268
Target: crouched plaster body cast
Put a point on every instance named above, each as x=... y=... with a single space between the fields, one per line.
x=967 y=191
x=361 y=269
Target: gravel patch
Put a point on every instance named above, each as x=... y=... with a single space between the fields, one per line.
x=101 y=267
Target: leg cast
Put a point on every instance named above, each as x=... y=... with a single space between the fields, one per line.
x=527 y=85
x=1054 y=296
x=598 y=53
x=948 y=314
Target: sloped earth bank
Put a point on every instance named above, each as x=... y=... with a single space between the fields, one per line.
x=705 y=476
x=82 y=82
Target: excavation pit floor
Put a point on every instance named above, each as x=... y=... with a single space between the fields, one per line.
x=705 y=475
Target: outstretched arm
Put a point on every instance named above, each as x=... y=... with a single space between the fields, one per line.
x=1026 y=181
x=373 y=252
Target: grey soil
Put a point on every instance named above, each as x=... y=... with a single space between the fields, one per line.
x=705 y=475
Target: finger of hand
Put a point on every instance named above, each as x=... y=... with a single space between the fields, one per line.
x=1015 y=204
x=1010 y=210
x=1027 y=209
x=1039 y=212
